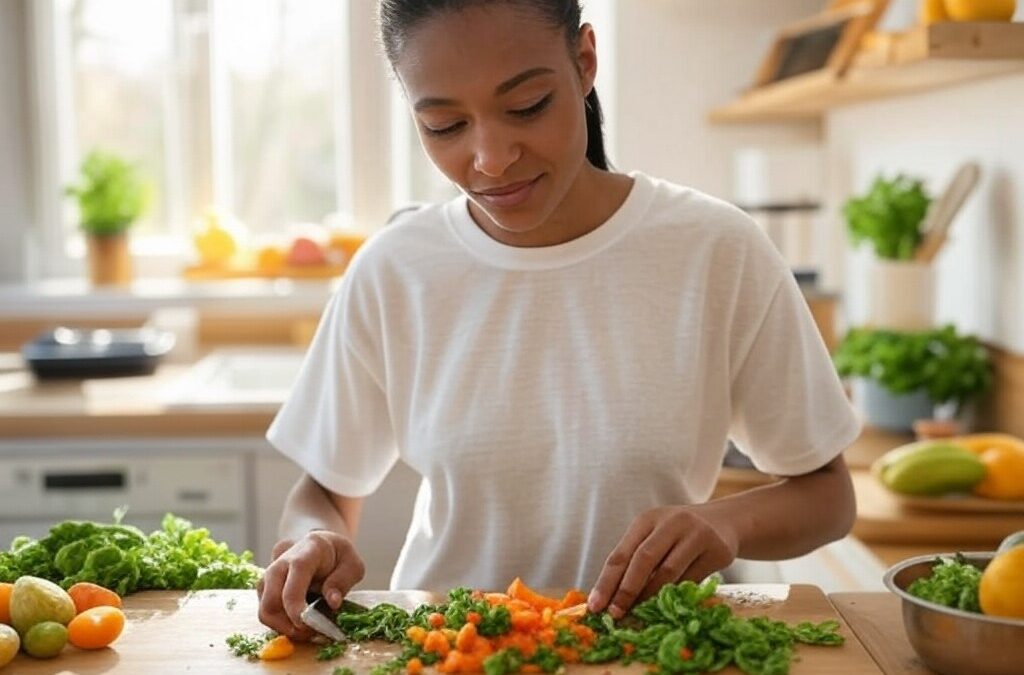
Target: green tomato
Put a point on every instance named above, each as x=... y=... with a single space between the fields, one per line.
x=9 y=643
x=45 y=640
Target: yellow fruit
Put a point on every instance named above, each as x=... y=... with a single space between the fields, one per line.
x=981 y=10
x=1001 y=592
x=978 y=443
x=35 y=600
x=9 y=644
x=1004 y=473
x=215 y=244
x=932 y=11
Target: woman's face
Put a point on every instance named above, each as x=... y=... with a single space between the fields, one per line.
x=499 y=103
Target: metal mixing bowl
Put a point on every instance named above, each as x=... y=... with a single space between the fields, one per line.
x=950 y=641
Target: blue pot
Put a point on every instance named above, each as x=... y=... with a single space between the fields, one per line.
x=884 y=410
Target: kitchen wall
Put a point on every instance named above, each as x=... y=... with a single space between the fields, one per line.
x=980 y=272
x=678 y=59
x=15 y=193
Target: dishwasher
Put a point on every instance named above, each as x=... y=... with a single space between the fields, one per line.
x=41 y=489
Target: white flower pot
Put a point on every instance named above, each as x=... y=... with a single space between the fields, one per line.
x=901 y=295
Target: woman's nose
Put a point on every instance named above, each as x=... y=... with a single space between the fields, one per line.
x=495 y=151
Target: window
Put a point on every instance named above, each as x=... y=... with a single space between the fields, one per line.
x=241 y=105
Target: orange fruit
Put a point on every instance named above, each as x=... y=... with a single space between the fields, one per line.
x=1001 y=592
x=5 y=603
x=86 y=595
x=96 y=628
x=981 y=10
x=1004 y=473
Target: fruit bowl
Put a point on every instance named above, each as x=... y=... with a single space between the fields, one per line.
x=951 y=641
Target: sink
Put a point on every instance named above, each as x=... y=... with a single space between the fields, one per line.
x=260 y=377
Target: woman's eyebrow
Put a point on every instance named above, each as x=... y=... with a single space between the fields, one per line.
x=503 y=88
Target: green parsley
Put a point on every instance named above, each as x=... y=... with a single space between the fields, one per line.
x=331 y=651
x=248 y=645
x=953 y=583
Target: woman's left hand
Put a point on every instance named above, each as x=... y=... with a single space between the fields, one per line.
x=664 y=545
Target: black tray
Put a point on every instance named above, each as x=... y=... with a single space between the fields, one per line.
x=69 y=352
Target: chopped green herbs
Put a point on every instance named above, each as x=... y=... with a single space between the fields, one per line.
x=953 y=583
x=248 y=645
x=331 y=651
x=123 y=559
x=343 y=671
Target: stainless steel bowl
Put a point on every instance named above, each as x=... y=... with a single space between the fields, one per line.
x=950 y=641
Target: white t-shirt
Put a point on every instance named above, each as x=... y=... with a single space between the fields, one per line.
x=550 y=395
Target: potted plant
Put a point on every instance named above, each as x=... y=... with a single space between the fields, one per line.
x=111 y=195
x=901 y=376
x=890 y=217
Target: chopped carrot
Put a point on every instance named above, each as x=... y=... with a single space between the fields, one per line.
x=278 y=648
x=546 y=616
x=497 y=598
x=530 y=668
x=526 y=620
x=520 y=591
x=585 y=634
x=414 y=667
x=449 y=634
x=465 y=641
x=572 y=597
x=436 y=642
x=686 y=653
x=628 y=648
x=436 y=620
x=474 y=618
x=568 y=654
x=546 y=636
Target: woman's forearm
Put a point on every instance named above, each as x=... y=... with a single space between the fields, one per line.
x=311 y=507
x=792 y=517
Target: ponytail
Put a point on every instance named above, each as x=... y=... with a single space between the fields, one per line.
x=595 y=134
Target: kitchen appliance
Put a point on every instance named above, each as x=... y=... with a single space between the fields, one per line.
x=38 y=492
x=67 y=352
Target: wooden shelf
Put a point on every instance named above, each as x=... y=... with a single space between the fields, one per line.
x=924 y=58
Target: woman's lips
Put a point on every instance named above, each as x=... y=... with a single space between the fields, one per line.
x=510 y=195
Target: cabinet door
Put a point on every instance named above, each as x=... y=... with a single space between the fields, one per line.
x=385 y=517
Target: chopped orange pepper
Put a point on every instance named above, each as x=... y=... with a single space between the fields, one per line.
x=530 y=668
x=573 y=597
x=497 y=598
x=416 y=634
x=436 y=620
x=546 y=616
x=568 y=654
x=474 y=618
x=628 y=648
x=414 y=667
x=278 y=648
x=526 y=620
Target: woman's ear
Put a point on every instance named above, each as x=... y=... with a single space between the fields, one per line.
x=586 y=57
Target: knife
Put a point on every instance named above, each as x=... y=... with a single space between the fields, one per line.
x=319 y=616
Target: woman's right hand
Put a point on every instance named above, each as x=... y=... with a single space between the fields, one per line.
x=323 y=559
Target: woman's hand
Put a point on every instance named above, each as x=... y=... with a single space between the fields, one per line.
x=664 y=545
x=321 y=559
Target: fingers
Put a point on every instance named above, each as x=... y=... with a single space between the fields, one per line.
x=647 y=558
x=337 y=585
x=678 y=561
x=301 y=570
x=617 y=563
x=271 y=612
x=280 y=547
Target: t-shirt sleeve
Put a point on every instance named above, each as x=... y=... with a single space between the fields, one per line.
x=335 y=424
x=790 y=415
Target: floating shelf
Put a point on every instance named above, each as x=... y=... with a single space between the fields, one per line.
x=888 y=64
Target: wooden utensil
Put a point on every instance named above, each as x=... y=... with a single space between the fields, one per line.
x=944 y=209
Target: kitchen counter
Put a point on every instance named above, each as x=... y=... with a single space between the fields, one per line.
x=174 y=632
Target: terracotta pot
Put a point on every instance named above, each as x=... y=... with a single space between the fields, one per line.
x=110 y=262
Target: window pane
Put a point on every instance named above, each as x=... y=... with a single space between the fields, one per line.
x=120 y=53
x=281 y=83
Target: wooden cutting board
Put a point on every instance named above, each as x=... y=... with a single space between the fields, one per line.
x=176 y=633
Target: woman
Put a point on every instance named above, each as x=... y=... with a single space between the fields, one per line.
x=561 y=353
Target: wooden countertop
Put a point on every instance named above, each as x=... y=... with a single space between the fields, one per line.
x=877 y=621
x=174 y=632
x=113 y=408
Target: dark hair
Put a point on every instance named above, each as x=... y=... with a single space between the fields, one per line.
x=398 y=18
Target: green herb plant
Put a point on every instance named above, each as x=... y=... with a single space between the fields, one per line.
x=951 y=368
x=889 y=217
x=953 y=583
x=122 y=558
x=111 y=194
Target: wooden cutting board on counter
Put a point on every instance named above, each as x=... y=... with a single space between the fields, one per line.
x=176 y=633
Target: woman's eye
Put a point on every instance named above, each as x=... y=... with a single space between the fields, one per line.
x=533 y=109
x=444 y=131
